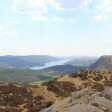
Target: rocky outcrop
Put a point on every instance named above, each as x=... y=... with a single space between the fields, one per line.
x=103 y=63
x=84 y=101
x=93 y=91
x=81 y=91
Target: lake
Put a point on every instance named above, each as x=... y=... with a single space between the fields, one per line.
x=50 y=64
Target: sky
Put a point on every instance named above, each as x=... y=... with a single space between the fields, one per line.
x=56 y=27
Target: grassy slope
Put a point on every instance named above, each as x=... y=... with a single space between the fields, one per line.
x=64 y=69
x=57 y=71
x=18 y=75
x=21 y=75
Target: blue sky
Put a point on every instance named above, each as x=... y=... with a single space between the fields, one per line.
x=56 y=27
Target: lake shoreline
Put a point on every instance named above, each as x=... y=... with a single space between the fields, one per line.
x=50 y=64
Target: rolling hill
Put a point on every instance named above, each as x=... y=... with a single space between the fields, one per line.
x=26 y=61
x=82 y=61
x=20 y=75
x=64 y=69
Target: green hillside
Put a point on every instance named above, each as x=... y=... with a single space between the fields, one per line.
x=62 y=69
x=18 y=75
x=21 y=75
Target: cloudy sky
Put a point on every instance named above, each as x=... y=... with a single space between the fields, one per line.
x=56 y=27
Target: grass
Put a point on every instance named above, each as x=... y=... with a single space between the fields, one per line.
x=37 y=82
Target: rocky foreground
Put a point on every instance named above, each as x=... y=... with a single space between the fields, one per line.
x=84 y=101
x=85 y=91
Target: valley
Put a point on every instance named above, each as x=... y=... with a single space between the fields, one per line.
x=60 y=88
x=38 y=74
x=55 y=55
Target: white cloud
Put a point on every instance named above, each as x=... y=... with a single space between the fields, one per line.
x=71 y=5
x=35 y=8
x=39 y=5
x=85 y=3
x=10 y=33
x=103 y=10
x=13 y=21
x=37 y=16
x=106 y=3
x=57 y=19
x=105 y=7
x=16 y=4
x=56 y=4
x=71 y=20
x=1 y=27
x=38 y=9
x=100 y=17
x=109 y=9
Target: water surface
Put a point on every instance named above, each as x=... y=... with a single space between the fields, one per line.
x=50 y=64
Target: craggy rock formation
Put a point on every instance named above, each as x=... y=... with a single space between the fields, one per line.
x=84 y=101
x=103 y=63
x=81 y=91
x=93 y=91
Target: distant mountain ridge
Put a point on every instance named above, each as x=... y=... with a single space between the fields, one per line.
x=82 y=61
x=26 y=61
x=103 y=63
x=62 y=69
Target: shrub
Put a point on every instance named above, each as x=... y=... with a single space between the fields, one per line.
x=98 y=87
x=98 y=77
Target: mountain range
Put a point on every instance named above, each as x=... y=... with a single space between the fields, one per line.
x=82 y=61
x=25 y=75
x=68 y=88
x=26 y=61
